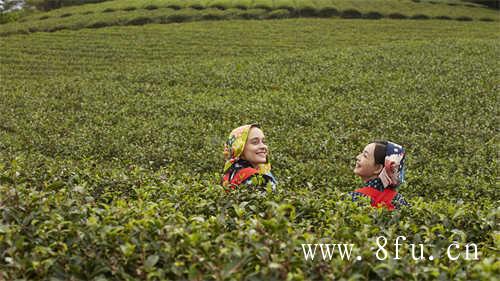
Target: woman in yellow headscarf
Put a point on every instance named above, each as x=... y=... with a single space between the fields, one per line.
x=246 y=155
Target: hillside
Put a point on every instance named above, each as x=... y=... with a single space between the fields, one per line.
x=134 y=12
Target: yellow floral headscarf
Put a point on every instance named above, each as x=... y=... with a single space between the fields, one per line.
x=235 y=145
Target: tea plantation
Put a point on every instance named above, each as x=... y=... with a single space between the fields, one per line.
x=111 y=149
x=140 y=12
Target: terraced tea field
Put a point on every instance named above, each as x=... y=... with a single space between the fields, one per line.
x=111 y=148
x=134 y=12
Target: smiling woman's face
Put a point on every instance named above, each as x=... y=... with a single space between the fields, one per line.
x=365 y=163
x=255 y=150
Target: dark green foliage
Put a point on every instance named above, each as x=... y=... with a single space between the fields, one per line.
x=151 y=7
x=351 y=14
x=241 y=6
x=139 y=21
x=46 y=5
x=98 y=24
x=397 y=16
x=443 y=18
x=57 y=28
x=372 y=15
x=328 y=12
x=218 y=6
x=196 y=6
x=419 y=17
x=494 y=4
x=179 y=17
x=464 y=18
x=174 y=6
x=306 y=12
x=10 y=17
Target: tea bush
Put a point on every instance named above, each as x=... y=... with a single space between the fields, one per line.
x=111 y=139
x=157 y=11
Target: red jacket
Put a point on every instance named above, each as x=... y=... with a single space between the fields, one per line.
x=232 y=180
x=379 y=198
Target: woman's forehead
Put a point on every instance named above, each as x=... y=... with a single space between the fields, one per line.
x=255 y=133
x=369 y=148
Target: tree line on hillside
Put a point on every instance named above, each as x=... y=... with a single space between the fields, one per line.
x=46 y=5
x=42 y=5
x=495 y=4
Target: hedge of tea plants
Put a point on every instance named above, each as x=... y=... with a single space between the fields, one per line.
x=134 y=12
x=111 y=148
